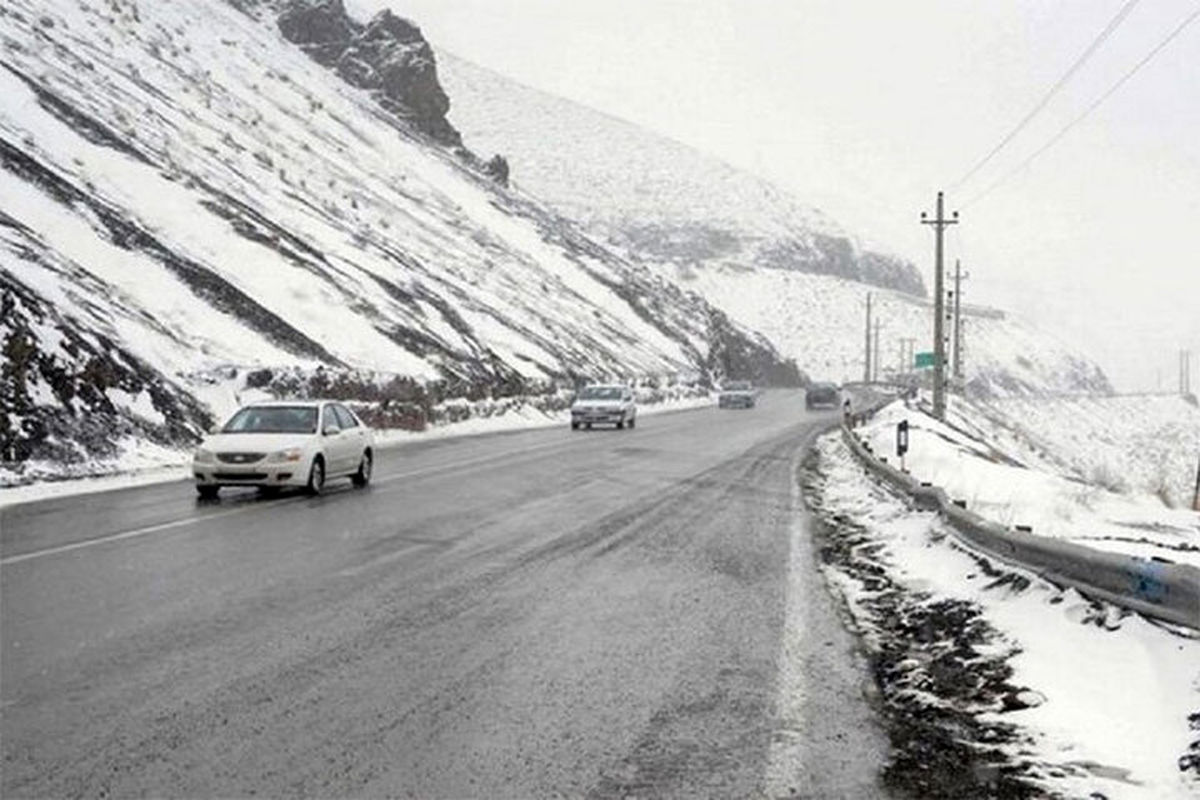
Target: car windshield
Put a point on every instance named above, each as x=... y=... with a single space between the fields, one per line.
x=737 y=386
x=601 y=393
x=273 y=419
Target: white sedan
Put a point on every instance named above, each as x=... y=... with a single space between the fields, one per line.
x=281 y=444
x=604 y=405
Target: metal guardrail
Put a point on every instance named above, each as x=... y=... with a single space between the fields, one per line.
x=1158 y=589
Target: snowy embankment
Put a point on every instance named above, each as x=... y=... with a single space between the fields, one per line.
x=996 y=683
x=1139 y=444
x=144 y=463
x=1013 y=480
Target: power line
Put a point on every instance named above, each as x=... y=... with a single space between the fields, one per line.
x=1113 y=24
x=1099 y=101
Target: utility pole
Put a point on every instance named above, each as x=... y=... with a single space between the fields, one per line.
x=875 y=350
x=958 y=279
x=867 y=360
x=939 y=308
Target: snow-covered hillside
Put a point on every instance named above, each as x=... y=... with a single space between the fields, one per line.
x=747 y=247
x=819 y=321
x=649 y=195
x=1135 y=444
x=186 y=196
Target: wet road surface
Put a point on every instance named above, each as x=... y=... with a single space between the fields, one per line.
x=534 y=614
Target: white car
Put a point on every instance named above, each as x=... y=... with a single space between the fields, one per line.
x=280 y=444
x=604 y=405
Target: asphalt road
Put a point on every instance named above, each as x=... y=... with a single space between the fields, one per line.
x=535 y=614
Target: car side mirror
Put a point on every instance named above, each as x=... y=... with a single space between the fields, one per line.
x=331 y=429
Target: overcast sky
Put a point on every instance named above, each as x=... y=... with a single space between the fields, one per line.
x=866 y=109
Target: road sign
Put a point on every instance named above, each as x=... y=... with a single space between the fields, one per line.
x=924 y=360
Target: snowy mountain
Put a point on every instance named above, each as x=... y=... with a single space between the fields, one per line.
x=649 y=195
x=190 y=203
x=820 y=322
x=768 y=261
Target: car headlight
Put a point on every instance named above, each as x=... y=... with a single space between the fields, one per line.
x=290 y=454
x=202 y=455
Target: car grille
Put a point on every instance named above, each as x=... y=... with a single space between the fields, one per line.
x=240 y=476
x=240 y=458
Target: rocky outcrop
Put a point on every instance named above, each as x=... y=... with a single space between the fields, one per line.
x=734 y=355
x=837 y=256
x=69 y=394
x=891 y=272
x=388 y=57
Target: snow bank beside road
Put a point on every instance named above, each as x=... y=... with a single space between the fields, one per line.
x=1013 y=482
x=1143 y=444
x=1030 y=689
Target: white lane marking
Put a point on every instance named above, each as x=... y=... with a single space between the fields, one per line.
x=786 y=759
x=180 y=523
x=116 y=537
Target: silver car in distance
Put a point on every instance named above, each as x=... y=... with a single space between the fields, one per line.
x=301 y=443
x=604 y=405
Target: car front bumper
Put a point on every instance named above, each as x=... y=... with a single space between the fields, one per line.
x=735 y=401
x=262 y=473
x=598 y=417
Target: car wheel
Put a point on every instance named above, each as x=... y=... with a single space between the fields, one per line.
x=316 y=477
x=363 y=476
x=574 y=426
x=207 y=492
x=620 y=424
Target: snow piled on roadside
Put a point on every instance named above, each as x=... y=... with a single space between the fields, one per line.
x=1012 y=481
x=1109 y=694
x=1142 y=444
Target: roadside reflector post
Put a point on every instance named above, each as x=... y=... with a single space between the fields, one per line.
x=902 y=441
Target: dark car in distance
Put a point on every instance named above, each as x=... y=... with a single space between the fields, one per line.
x=822 y=395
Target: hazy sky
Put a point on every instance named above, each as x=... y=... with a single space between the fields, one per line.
x=866 y=109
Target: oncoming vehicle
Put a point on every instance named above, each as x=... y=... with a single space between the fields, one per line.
x=604 y=405
x=822 y=395
x=274 y=445
x=737 y=394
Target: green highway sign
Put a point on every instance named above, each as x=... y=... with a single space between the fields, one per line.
x=925 y=360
